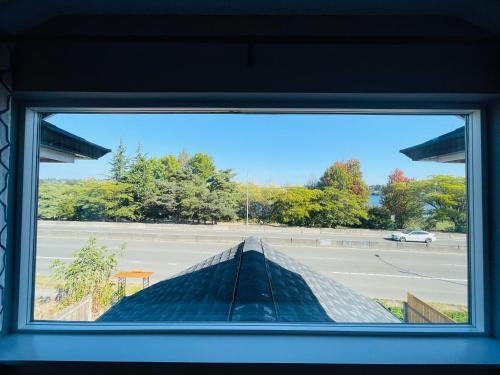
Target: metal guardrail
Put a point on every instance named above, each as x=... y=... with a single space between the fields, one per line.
x=382 y=244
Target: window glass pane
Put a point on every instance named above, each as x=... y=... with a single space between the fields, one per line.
x=311 y=218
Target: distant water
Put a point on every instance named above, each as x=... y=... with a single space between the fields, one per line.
x=374 y=200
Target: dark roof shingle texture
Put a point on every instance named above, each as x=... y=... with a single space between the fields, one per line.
x=249 y=282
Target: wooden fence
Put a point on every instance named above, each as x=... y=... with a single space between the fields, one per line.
x=79 y=312
x=417 y=311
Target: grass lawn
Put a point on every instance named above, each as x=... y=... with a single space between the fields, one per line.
x=456 y=312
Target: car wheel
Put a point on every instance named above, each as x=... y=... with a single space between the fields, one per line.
x=402 y=239
x=428 y=240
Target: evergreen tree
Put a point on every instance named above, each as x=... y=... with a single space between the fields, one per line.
x=119 y=163
x=202 y=165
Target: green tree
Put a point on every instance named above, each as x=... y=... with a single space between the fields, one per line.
x=163 y=203
x=141 y=176
x=296 y=205
x=260 y=202
x=378 y=218
x=92 y=199
x=171 y=164
x=223 y=196
x=399 y=197
x=202 y=165
x=339 y=208
x=51 y=195
x=193 y=202
x=448 y=198
x=119 y=163
x=89 y=273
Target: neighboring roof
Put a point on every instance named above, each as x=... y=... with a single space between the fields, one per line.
x=249 y=282
x=60 y=142
x=447 y=148
x=134 y=274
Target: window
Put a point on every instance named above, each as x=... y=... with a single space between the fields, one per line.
x=326 y=220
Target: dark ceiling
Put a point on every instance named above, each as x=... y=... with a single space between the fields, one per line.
x=442 y=18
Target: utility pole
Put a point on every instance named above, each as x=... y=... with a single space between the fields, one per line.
x=246 y=219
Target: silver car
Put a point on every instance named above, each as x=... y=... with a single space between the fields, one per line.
x=414 y=236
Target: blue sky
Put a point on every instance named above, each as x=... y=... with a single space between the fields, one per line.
x=272 y=149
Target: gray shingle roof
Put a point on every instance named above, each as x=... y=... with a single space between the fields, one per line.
x=449 y=143
x=249 y=282
x=61 y=140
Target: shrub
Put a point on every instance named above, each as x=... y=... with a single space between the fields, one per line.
x=89 y=273
x=378 y=218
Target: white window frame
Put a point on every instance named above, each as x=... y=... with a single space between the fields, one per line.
x=23 y=304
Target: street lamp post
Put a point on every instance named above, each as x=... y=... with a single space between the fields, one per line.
x=246 y=218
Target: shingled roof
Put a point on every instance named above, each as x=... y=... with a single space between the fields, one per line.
x=58 y=145
x=447 y=148
x=249 y=282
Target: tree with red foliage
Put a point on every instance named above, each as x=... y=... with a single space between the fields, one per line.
x=398 y=176
x=345 y=175
x=399 y=198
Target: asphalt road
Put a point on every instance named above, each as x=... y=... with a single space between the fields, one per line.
x=155 y=231
x=430 y=275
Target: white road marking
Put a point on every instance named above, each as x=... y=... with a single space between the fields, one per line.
x=395 y=276
x=45 y=257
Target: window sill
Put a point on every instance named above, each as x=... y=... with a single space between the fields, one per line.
x=249 y=349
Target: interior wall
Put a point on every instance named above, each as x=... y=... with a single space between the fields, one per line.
x=395 y=67
x=5 y=127
x=390 y=68
x=493 y=202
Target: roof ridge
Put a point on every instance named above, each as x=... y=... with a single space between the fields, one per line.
x=253 y=300
x=235 y=289
x=269 y=280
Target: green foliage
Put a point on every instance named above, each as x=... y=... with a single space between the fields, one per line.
x=162 y=204
x=296 y=206
x=329 y=207
x=457 y=316
x=89 y=273
x=98 y=200
x=202 y=165
x=448 y=199
x=260 y=202
x=51 y=195
x=171 y=164
x=394 y=306
x=340 y=208
x=442 y=226
x=223 y=195
x=378 y=218
x=188 y=188
x=119 y=163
